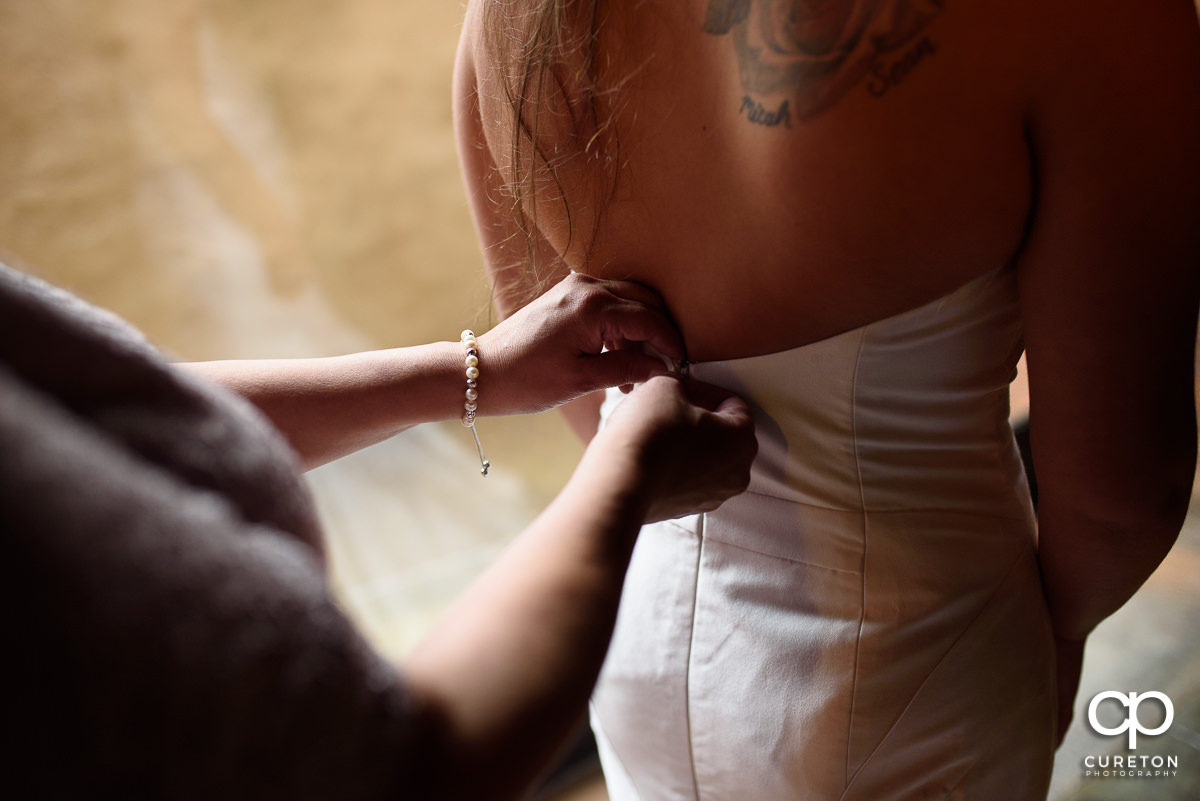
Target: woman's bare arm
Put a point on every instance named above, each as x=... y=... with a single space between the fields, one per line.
x=330 y=407
x=548 y=353
x=507 y=673
x=1110 y=286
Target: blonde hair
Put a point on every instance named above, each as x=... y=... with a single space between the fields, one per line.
x=559 y=130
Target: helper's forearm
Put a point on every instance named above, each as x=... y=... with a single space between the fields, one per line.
x=508 y=671
x=330 y=407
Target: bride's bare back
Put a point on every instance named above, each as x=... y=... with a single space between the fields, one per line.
x=818 y=166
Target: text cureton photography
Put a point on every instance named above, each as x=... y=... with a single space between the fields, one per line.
x=1122 y=710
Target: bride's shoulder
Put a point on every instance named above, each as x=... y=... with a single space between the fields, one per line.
x=1070 y=44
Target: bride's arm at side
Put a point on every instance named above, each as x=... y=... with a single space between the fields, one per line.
x=1110 y=286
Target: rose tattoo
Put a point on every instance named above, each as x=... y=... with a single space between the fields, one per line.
x=815 y=51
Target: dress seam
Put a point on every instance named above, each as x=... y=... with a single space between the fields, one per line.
x=784 y=557
x=687 y=678
x=862 y=609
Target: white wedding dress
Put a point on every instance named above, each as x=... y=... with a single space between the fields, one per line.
x=866 y=622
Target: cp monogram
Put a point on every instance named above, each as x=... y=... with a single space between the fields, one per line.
x=1131 y=724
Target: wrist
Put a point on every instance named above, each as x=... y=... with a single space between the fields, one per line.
x=614 y=468
x=496 y=391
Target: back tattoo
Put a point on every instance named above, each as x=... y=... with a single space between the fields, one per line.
x=798 y=58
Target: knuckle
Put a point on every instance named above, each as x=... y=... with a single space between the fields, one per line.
x=589 y=303
x=580 y=301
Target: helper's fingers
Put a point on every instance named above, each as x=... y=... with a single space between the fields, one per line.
x=735 y=410
x=632 y=323
x=716 y=399
x=622 y=368
x=631 y=290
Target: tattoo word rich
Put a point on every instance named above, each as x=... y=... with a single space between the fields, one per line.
x=813 y=52
x=758 y=114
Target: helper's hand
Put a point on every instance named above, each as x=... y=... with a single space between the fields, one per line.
x=683 y=446
x=550 y=352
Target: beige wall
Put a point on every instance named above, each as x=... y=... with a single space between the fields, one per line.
x=308 y=143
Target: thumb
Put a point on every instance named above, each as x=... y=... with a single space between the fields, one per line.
x=717 y=400
x=622 y=367
x=735 y=410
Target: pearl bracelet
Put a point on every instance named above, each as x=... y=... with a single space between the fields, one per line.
x=471 y=404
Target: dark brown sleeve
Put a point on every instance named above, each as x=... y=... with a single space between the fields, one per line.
x=160 y=646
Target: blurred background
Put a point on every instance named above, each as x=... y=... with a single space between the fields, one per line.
x=277 y=178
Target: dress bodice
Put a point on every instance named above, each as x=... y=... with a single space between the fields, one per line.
x=824 y=634
x=907 y=413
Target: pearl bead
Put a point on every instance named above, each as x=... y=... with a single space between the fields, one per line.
x=472 y=361
x=472 y=394
x=467 y=334
x=472 y=373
